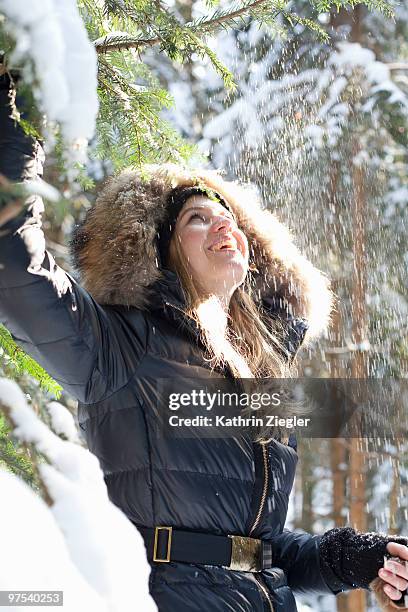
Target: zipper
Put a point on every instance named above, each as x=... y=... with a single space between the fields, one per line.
x=257 y=577
x=264 y=590
x=264 y=490
x=187 y=319
x=74 y=305
x=179 y=309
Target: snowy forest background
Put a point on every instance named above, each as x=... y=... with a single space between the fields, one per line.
x=318 y=120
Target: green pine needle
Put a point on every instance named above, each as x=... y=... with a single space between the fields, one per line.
x=24 y=363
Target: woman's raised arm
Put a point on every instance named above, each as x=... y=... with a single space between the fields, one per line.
x=88 y=349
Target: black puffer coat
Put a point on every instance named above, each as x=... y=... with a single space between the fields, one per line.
x=110 y=356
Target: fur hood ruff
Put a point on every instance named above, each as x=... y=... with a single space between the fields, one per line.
x=115 y=252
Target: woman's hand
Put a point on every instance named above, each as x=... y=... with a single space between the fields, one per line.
x=395 y=573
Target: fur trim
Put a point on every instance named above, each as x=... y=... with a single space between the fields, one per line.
x=384 y=602
x=115 y=252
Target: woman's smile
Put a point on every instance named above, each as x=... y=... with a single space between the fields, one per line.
x=215 y=248
x=226 y=245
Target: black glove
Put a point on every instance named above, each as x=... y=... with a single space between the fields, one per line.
x=349 y=559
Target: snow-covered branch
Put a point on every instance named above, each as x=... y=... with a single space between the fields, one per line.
x=397 y=66
x=81 y=544
x=51 y=38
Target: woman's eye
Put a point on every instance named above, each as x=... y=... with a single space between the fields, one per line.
x=197 y=216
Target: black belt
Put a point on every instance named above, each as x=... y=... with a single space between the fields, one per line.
x=165 y=544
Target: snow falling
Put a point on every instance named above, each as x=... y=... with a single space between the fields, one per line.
x=320 y=132
x=313 y=130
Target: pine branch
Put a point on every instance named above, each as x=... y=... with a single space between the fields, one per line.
x=203 y=49
x=110 y=42
x=14 y=457
x=24 y=363
x=221 y=17
x=324 y=6
x=118 y=42
x=293 y=18
x=30 y=450
x=258 y=9
x=130 y=127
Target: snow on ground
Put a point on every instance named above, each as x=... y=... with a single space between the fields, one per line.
x=82 y=544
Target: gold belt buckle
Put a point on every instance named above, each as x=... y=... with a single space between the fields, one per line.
x=156 y=538
x=246 y=554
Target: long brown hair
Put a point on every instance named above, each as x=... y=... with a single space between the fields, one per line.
x=248 y=346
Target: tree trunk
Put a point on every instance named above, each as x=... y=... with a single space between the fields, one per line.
x=394 y=494
x=358 y=518
x=356 y=600
x=337 y=445
x=307 y=489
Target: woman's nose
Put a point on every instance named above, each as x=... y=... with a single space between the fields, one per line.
x=221 y=223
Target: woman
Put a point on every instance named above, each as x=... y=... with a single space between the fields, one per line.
x=156 y=257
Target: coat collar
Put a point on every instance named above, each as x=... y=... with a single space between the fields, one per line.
x=168 y=299
x=167 y=291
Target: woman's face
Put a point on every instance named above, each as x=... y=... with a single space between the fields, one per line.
x=215 y=249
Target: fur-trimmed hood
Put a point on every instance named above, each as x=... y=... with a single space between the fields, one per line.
x=115 y=251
